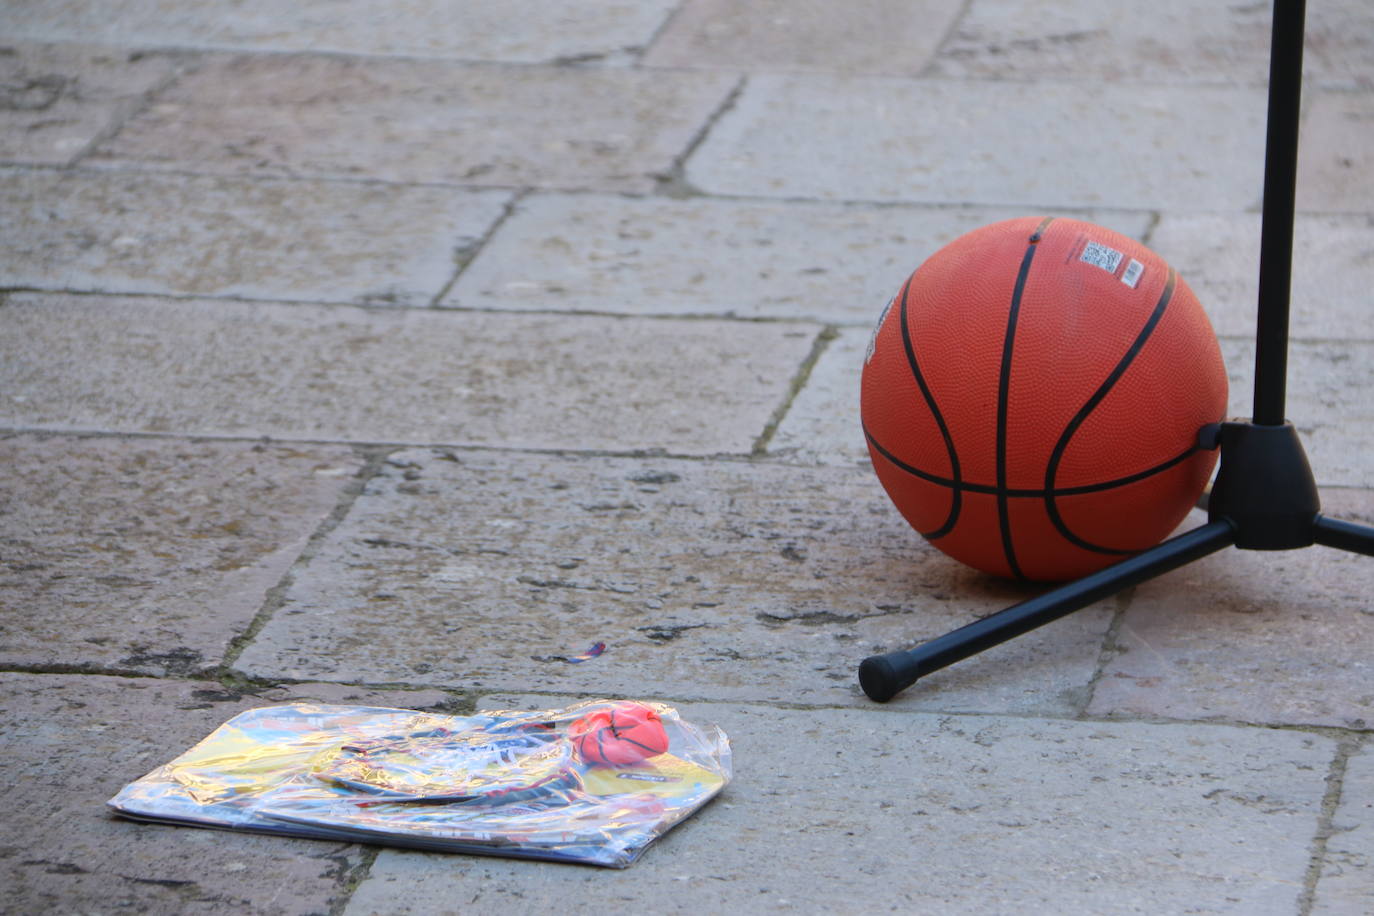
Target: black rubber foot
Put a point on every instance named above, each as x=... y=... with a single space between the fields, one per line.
x=879 y=679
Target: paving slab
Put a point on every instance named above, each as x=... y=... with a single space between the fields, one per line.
x=150 y=555
x=421 y=121
x=704 y=579
x=381 y=244
x=862 y=36
x=503 y=30
x=1144 y=147
x=56 y=100
x=72 y=741
x=751 y=259
x=1278 y=638
x=1337 y=153
x=1333 y=270
x=1330 y=399
x=392 y=375
x=1346 y=884
x=945 y=814
x=1179 y=42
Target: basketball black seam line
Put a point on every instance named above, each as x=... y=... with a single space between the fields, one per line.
x=1056 y=456
x=956 y=496
x=615 y=733
x=1036 y=493
x=1004 y=398
x=650 y=748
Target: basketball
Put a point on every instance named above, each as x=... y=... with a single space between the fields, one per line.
x=1033 y=394
x=622 y=735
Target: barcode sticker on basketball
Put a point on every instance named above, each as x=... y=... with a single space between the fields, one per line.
x=1099 y=255
x=1131 y=276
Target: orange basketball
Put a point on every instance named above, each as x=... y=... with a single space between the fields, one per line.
x=1032 y=398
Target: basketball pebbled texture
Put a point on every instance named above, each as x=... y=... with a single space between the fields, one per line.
x=1032 y=400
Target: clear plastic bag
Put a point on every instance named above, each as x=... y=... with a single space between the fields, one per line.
x=523 y=784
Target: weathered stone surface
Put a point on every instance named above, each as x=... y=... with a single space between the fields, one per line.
x=924 y=813
x=421 y=121
x=717 y=580
x=1337 y=155
x=863 y=36
x=344 y=373
x=1346 y=884
x=509 y=30
x=1273 y=638
x=73 y=741
x=55 y=100
x=1330 y=399
x=1179 y=41
x=1145 y=147
x=1333 y=270
x=263 y=239
x=150 y=555
x=600 y=253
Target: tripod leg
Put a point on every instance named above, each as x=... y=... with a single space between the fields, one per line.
x=1345 y=535
x=883 y=676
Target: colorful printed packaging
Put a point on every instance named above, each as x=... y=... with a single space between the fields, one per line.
x=497 y=783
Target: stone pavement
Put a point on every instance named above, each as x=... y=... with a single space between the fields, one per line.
x=380 y=351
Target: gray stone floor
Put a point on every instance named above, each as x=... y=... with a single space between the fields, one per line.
x=382 y=351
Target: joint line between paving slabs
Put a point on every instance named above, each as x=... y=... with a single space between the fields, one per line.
x=822 y=342
x=1155 y=217
x=663 y=27
x=1110 y=646
x=468 y=253
x=354 y=879
x=1335 y=784
x=374 y=457
x=673 y=182
x=955 y=22
x=365 y=446
x=174 y=296
x=135 y=107
x=119 y=169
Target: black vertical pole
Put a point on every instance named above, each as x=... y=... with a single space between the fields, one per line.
x=1276 y=235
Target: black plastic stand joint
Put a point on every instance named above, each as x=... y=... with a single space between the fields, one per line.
x=1265 y=487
